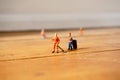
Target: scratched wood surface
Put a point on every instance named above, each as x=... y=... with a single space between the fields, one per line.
x=26 y=56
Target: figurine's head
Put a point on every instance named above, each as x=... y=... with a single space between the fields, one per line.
x=69 y=34
x=81 y=28
x=55 y=35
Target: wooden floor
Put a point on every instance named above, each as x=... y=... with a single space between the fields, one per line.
x=26 y=56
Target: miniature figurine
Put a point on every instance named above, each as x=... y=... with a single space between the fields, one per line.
x=43 y=35
x=56 y=41
x=81 y=31
x=70 y=39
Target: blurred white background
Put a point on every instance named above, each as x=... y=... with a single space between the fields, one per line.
x=57 y=14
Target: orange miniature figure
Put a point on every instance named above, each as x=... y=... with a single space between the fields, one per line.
x=81 y=31
x=56 y=41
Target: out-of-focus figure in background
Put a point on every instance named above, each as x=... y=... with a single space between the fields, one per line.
x=81 y=31
x=43 y=35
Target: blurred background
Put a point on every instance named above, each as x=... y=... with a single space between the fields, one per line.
x=21 y=15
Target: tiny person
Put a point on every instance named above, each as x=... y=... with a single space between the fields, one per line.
x=56 y=41
x=70 y=39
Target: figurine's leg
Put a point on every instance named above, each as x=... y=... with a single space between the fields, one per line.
x=53 y=48
x=57 y=48
x=69 y=45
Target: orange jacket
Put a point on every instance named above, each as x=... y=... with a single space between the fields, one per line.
x=56 y=40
